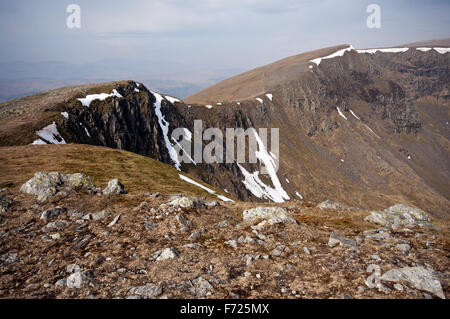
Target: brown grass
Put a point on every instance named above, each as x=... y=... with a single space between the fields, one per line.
x=138 y=173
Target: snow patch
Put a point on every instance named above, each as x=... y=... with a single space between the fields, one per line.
x=254 y=184
x=102 y=96
x=340 y=113
x=209 y=106
x=165 y=129
x=50 y=134
x=297 y=193
x=65 y=115
x=39 y=142
x=136 y=90
x=190 y=181
x=269 y=96
x=259 y=100
x=287 y=181
x=353 y=113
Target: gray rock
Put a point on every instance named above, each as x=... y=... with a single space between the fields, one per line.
x=336 y=239
x=75 y=280
x=404 y=248
x=54 y=212
x=330 y=205
x=398 y=287
x=232 y=243
x=147 y=291
x=73 y=268
x=193 y=245
x=101 y=215
x=61 y=283
x=278 y=250
x=183 y=222
x=114 y=187
x=73 y=213
x=167 y=253
x=114 y=221
x=306 y=250
x=58 y=225
x=400 y=215
x=195 y=235
x=5 y=203
x=9 y=258
x=418 y=277
x=149 y=225
x=201 y=287
x=186 y=202
x=271 y=214
x=222 y=224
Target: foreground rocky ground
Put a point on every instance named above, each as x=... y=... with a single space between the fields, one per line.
x=85 y=242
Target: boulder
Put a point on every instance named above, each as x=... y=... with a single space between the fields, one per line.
x=400 y=215
x=5 y=203
x=167 y=253
x=271 y=214
x=44 y=185
x=146 y=291
x=418 y=277
x=201 y=287
x=336 y=239
x=114 y=187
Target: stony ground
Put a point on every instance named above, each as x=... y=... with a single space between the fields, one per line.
x=150 y=245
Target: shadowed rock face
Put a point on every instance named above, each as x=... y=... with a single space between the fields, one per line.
x=367 y=130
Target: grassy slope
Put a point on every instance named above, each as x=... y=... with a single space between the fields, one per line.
x=138 y=173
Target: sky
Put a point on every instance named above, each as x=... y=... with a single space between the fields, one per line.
x=200 y=37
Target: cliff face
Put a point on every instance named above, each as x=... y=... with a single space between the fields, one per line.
x=368 y=130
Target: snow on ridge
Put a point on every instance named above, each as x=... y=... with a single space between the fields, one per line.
x=442 y=50
x=333 y=55
x=424 y=49
x=255 y=185
x=384 y=50
x=172 y=99
x=269 y=96
x=340 y=113
x=190 y=181
x=165 y=129
x=102 y=96
x=50 y=134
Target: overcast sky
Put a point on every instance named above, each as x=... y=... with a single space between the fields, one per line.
x=239 y=34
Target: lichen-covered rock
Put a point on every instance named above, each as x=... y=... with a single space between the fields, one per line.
x=186 y=202
x=114 y=187
x=53 y=212
x=5 y=203
x=44 y=185
x=271 y=214
x=101 y=215
x=418 y=277
x=400 y=215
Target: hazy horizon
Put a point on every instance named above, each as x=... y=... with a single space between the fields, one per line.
x=194 y=43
